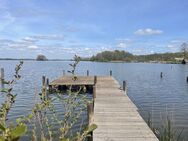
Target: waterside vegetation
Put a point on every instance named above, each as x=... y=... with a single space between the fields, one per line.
x=123 y=56
x=39 y=124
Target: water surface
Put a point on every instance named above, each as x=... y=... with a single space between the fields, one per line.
x=151 y=93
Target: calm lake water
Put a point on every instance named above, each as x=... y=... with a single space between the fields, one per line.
x=151 y=94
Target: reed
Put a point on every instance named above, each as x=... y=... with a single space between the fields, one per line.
x=165 y=132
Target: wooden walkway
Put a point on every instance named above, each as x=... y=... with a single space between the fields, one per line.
x=115 y=114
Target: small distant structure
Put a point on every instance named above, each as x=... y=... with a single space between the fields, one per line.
x=181 y=60
x=41 y=58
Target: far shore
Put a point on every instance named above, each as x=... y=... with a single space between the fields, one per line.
x=151 y=62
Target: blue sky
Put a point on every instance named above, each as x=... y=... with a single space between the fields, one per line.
x=62 y=28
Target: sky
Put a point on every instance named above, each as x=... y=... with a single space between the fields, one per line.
x=59 y=29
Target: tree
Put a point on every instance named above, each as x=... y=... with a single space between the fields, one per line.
x=184 y=49
x=41 y=58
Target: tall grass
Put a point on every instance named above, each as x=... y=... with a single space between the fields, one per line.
x=166 y=131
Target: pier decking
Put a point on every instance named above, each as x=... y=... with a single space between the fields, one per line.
x=115 y=114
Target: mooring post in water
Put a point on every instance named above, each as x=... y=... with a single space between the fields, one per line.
x=47 y=87
x=43 y=81
x=44 y=86
x=161 y=75
x=94 y=92
x=124 y=86
x=2 y=78
x=47 y=83
x=110 y=72
x=90 y=110
x=95 y=80
x=187 y=79
x=87 y=72
x=63 y=72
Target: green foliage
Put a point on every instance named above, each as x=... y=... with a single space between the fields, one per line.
x=112 y=56
x=9 y=132
x=128 y=57
x=44 y=115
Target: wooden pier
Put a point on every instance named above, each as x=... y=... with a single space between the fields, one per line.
x=114 y=113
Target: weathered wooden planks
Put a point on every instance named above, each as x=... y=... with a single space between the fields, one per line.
x=116 y=115
x=68 y=80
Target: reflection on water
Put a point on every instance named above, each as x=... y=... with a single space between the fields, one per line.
x=151 y=93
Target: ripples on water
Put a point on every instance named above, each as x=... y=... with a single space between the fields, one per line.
x=151 y=94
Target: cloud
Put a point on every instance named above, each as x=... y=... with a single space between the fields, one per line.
x=148 y=31
x=122 y=45
x=48 y=37
x=86 y=49
x=29 y=39
x=33 y=47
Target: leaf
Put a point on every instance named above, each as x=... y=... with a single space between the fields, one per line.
x=92 y=128
x=6 y=82
x=4 y=90
x=2 y=127
x=2 y=139
x=64 y=139
x=19 y=131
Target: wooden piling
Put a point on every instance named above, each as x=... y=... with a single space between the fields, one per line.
x=47 y=83
x=43 y=81
x=187 y=79
x=63 y=72
x=161 y=75
x=94 y=92
x=44 y=87
x=87 y=72
x=110 y=72
x=95 y=79
x=90 y=118
x=124 y=86
x=2 y=78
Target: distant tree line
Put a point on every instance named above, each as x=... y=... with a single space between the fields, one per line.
x=118 y=55
x=113 y=56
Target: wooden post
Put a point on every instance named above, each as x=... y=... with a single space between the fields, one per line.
x=90 y=117
x=187 y=79
x=47 y=83
x=63 y=72
x=124 y=86
x=87 y=72
x=2 y=78
x=161 y=75
x=95 y=80
x=94 y=92
x=44 y=87
x=47 y=87
x=110 y=72
x=43 y=81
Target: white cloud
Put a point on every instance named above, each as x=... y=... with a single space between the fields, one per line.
x=148 y=31
x=122 y=45
x=33 y=47
x=86 y=49
x=170 y=46
x=123 y=42
x=48 y=37
x=29 y=39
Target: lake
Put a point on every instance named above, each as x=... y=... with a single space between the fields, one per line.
x=153 y=95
